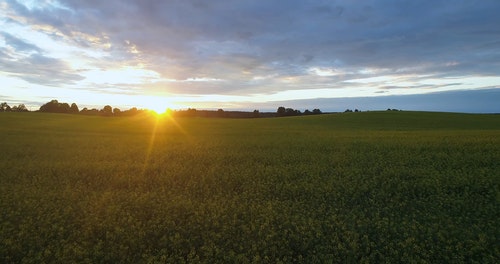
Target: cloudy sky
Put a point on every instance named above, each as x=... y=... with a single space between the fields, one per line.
x=249 y=53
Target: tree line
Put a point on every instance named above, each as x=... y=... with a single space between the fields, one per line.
x=54 y=106
x=282 y=111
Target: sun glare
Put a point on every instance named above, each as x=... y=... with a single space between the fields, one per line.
x=156 y=104
x=157 y=108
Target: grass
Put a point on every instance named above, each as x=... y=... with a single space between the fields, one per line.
x=354 y=187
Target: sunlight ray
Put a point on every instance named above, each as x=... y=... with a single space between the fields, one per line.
x=160 y=119
x=150 y=147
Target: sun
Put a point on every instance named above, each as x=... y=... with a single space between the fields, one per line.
x=157 y=108
x=156 y=104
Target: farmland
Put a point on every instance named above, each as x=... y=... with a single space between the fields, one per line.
x=341 y=188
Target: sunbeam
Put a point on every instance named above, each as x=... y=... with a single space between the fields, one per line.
x=159 y=121
x=151 y=144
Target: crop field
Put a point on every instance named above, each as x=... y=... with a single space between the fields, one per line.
x=371 y=187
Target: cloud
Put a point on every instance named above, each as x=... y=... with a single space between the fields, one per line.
x=38 y=69
x=377 y=33
x=261 y=47
x=18 y=44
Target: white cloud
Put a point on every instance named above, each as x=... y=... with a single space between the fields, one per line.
x=320 y=71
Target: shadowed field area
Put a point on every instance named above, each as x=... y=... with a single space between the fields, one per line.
x=353 y=187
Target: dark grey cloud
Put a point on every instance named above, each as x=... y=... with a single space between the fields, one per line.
x=262 y=23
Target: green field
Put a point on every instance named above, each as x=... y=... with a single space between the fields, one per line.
x=365 y=187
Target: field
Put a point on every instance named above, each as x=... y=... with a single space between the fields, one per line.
x=340 y=188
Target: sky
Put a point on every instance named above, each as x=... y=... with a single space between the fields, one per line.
x=251 y=54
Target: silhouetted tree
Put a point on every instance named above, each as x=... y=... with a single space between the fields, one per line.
x=317 y=111
x=131 y=112
x=64 y=108
x=307 y=112
x=4 y=107
x=74 y=109
x=291 y=112
x=20 y=108
x=107 y=110
x=50 y=107
x=55 y=106
x=86 y=111
x=256 y=113
x=116 y=111
x=281 y=111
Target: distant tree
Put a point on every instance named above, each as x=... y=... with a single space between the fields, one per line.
x=86 y=111
x=20 y=108
x=348 y=111
x=256 y=113
x=4 y=107
x=291 y=112
x=281 y=111
x=116 y=111
x=50 y=107
x=64 y=108
x=107 y=110
x=356 y=110
x=74 y=109
x=131 y=112
x=55 y=106
x=220 y=113
x=317 y=111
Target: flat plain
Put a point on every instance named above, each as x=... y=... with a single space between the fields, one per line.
x=364 y=187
